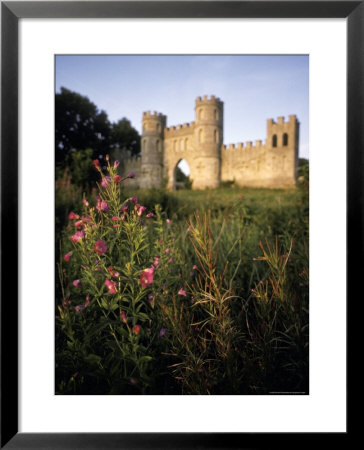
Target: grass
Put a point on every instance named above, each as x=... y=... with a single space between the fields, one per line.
x=245 y=330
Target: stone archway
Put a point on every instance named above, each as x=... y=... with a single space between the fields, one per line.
x=181 y=174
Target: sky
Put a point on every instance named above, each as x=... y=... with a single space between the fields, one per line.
x=253 y=88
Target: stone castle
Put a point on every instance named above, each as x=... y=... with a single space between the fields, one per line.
x=270 y=164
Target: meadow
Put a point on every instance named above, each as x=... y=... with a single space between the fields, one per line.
x=185 y=292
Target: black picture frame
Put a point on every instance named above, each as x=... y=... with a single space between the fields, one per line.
x=11 y=12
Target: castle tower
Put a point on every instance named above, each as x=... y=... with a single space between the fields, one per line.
x=208 y=139
x=152 y=149
x=282 y=145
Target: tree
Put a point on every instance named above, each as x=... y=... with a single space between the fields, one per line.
x=125 y=137
x=79 y=125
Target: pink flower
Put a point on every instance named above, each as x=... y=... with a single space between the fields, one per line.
x=131 y=175
x=124 y=208
x=76 y=283
x=102 y=205
x=170 y=260
x=156 y=261
x=123 y=316
x=162 y=332
x=150 y=215
x=78 y=236
x=78 y=224
x=151 y=300
x=136 y=329
x=117 y=178
x=116 y=164
x=134 y=199
x=100 y=247
x=113 y=272
x=73 y=216
x=194 y=267
x=105 y=181
x=111 y=286
x=67 y=256
x=141 y=210
x=96 y=163
x=182 y=292
x=168 y=221
x=85 y=202
x=146 y=277
x=115 y=218
x=167 y=250
x=88 y=302
x=79 y=308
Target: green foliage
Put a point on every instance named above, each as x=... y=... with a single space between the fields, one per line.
x=125 y=137
x=79 y=125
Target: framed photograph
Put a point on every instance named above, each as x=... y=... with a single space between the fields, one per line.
x=259 y=353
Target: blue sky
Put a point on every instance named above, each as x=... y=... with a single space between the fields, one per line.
x=253 y=88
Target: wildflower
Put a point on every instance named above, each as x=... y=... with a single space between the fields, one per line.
x=117 y=178
x=76 y=283
x=113 y=272
x=102 y=205
x=168 y=221
x=123 y=316
x=107 y=157
x=67 y=256
x=167 y=250
x=182 y=292
x=116 y=164
x=134 y=199
x=115 y=218
x=150 y=215
x=141 y=210
x=73 y=216
x=131 y=175
x=146 y=277
x=78 y=236
x=85 y=202
x=151 y=300
x=80 y=308
x=96 y=163
x=194 y=267
x=105 y=181
x=111 y=286
x=156 y=261
x=88 y=302
x=124 y=208
x=100 y=247
x=162 y=332
x=136 y=329
x=164 y=287
x=170 y=260
x=78 y=224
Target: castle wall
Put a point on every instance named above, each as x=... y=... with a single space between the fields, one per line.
x=272 y=163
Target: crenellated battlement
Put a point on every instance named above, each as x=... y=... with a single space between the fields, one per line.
x=258 y=144
x=208 y=99
x=179 y=130
x=152 y=114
